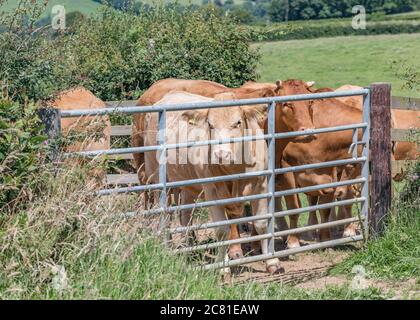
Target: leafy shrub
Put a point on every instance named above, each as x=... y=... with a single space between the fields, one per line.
x=31 y=67
x=21 y=152
x=117 y=54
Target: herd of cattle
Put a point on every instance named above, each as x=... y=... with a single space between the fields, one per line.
x=232 y=122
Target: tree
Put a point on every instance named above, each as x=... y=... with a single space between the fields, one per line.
x=277 y=10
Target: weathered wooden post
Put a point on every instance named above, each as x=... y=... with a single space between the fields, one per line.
x=380 y=156
x=52 y=121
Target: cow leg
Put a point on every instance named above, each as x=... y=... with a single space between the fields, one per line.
x=185 y=217
x=325 y=233
x=260 y=207
x=313 y=218
x=218 y=214
x=350 y=230
x=286 y=182
x=255 y=245
x=233 y=212
x=293 y=202
x=280 y=221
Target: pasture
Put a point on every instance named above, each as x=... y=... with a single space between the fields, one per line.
x=333 y=62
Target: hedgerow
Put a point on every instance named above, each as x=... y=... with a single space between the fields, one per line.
x=321 y=29
x=118 y=54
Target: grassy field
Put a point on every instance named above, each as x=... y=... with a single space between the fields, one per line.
x=333 y=62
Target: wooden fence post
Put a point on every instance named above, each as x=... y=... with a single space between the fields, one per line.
x=52 y=120
x=380 y=156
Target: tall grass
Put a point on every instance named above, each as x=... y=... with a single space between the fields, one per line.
x=396 y=255
x=68 y=244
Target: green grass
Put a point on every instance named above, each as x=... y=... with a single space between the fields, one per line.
x=69 y=245
x=333 y=62
x=395 y=255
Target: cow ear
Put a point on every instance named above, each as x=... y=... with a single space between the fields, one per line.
x=268 y=93
x=257 y=112
x=279 y=86
x=310 y=84
x=193 y=117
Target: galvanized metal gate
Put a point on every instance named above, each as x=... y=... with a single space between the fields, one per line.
x=270 y=173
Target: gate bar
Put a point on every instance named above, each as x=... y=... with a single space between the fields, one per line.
x=283 y=253
x=272 y=176
x=268 y=235
x=212 y=104
x=266 y=216
x=215 y=142
x=249 y=198
x=241 y=176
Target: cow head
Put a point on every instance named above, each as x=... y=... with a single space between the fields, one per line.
x=227 y=123
x=296 y=115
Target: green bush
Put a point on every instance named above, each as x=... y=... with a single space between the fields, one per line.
x=21 y=153
x=118 y=54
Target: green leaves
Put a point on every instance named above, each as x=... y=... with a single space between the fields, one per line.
x=21 y=147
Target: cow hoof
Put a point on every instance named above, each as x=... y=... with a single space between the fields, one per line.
x=312 y=235
x=275 y=269
x=236 y=254
x=293 y=243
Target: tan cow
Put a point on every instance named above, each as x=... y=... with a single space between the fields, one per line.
x=81 y=98
x=194 y=163
x=287 y=119
x=259 y=85
x=355 y=101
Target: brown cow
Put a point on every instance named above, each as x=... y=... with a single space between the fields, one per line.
x=193 y=163
x=405 y=119
x=81 y=98
x=400 y=119
x=326 y=147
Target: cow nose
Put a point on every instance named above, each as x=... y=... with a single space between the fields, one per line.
x=339 y=193
x=222 y=154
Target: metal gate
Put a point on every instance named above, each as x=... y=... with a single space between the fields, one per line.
x=270 y=173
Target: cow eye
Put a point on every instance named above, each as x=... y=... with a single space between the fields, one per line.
x=288 y=105
x=237 y=124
